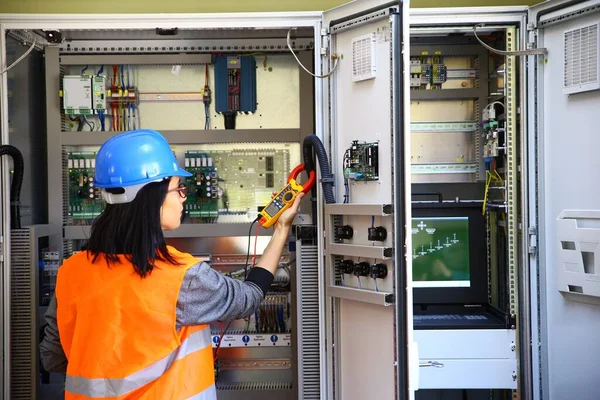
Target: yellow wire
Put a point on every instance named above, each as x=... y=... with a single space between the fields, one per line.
x=488 y=179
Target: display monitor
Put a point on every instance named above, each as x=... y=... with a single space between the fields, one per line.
x=449 y=253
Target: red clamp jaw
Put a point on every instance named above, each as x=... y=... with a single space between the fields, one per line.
x=308 y=185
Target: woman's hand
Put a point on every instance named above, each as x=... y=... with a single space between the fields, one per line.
x=281 y=230
x=285 y=220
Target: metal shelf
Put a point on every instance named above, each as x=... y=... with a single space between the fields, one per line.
x=86 y=138
x=138 y=59
x=352 y=250
x=464 y=126
x=359 y=209
x=448 y=168
x=252 y=340
x=364 y=296
x=82 y=232
x=445 y=94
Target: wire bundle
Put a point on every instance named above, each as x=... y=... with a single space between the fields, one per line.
x=271 y=315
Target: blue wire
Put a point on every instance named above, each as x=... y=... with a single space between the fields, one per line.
x=84 y=69
x=372 y=221
x=92 y=127
x=100 y=71
x=101 y=117
x=134 y=117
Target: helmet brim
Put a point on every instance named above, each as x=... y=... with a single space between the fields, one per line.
x=182 y=172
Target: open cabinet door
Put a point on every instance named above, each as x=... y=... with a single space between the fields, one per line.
x=4 y=220
x=368 y=278
x=567 y=101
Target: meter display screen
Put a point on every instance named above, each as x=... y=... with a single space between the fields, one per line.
x=272 y=209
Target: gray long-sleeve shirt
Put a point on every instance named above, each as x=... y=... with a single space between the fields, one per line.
x=205 y=296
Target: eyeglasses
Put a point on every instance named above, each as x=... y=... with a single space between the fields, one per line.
x=182 y=189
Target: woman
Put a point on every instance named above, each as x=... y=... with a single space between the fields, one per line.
x=131 y=315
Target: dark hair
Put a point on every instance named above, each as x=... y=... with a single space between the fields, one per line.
x=132 y=230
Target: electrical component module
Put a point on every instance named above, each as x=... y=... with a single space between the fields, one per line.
x=85 y=202
x=493 y=133
x=202 y=203
x=235 y=87
x=84 y=94
x=361 y=161
x=77 y=94
x=427 y=72
x=230 y=185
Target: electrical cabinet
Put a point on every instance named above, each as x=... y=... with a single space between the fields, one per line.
x=449 y=250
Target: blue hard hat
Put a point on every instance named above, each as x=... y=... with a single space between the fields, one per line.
x=135 y=158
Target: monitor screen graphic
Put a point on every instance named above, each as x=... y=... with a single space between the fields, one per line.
x=440 y=252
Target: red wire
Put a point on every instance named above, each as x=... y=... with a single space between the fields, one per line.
x=255 y=240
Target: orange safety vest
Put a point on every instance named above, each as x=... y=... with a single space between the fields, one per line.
x=119 y=335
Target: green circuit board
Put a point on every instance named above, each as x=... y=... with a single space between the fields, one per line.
x=249 y=177
x=202 y=203
x=232 y=183
x=361 y=162
x=85 y=202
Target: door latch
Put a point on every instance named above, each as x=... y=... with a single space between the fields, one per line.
x=434 y=364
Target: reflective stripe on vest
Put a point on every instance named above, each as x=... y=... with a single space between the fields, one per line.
x=115 y=387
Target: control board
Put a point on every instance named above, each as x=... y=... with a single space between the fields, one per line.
x=85 y=202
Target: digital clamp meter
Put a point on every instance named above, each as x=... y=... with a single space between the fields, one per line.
x=285 y=198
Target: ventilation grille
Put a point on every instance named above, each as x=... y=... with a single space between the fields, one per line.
x=309 y=360
x=580 y=66
x=65 y=186
x=363 y=58
x=23 y=346
x=254 y=386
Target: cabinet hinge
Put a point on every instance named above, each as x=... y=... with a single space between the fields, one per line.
x=532 y=240
x=531 y=37
x=324 y=41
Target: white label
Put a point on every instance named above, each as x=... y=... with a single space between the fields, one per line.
x=88 y=163
x=204 y=161
x=70 y=163
x=176 y=69
x=187 y=162
x=210 y=162
x=193 y=162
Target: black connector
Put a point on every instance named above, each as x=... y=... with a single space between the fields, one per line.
x=379 y=271
x=347 y=266
x=343 y=232
x=377 y=234
x=269 y=163
x=270 y=181
x=167 y=31
x=362 y=269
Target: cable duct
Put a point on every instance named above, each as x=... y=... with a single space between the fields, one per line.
x=17 y=181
